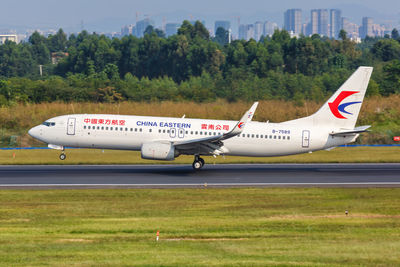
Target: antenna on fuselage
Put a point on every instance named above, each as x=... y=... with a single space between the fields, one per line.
x=184 y=115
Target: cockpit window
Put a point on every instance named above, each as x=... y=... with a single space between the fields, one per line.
x=49 y=124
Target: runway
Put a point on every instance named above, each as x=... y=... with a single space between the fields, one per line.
x=177 y=176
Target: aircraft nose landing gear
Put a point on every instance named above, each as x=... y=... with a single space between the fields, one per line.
x=63 y=156
x=198 y=163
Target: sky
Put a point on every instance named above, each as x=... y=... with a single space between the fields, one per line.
x=110 y=15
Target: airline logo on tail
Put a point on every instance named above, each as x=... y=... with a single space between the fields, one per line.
x=336 y=105
x=240 y=125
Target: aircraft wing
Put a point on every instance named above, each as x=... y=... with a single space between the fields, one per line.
x=356 y=130
x=214 y=142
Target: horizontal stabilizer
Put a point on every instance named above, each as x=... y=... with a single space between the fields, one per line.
x=356 y=130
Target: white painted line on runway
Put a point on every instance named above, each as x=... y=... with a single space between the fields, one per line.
x=199 y=184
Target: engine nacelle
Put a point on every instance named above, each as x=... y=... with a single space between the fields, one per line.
x=158 y=151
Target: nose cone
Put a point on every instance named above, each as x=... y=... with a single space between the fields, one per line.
x=34 y=132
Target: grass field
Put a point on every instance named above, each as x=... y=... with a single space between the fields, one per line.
x=90 y=156
x=201 y=227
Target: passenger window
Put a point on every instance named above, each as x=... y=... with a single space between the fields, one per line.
x=257 y=136
x=98 y=127
x=89 y=127
x=159 y=130
x=243 y=135
x=111 y=128
x=270 y=137
x=149 y=130
x=279 y=137
x=163 y=131
x=84 y=127
x=274 y=136
x=116 y=128
x=288 y=138
x=186 y=132
x=135 y=129
x=284 y=137
x=102 y=127
x=191 y=132
x=131 y=129
x=107 y=128
x=196 y=132
x=140 y=130
x=252 y=136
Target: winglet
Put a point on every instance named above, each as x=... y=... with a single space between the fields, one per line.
x=247 y=117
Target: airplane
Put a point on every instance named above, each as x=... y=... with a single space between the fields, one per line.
x=165 y=138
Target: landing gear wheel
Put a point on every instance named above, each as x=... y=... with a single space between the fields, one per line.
x=197 y=165
x=63 y=156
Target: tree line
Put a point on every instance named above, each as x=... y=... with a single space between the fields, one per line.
x=191 y=65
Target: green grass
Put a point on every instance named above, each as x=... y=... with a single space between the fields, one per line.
x=200 y=227
x=90 y=156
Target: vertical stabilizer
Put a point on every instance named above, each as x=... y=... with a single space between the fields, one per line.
x=342 y=109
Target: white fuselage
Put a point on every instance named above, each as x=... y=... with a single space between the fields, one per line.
x=131 y=132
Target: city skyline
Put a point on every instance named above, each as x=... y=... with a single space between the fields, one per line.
x=75 y=15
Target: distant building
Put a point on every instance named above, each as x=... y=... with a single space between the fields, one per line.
x=313 y=26
x=269 y=28
x=319 y=22
x=293 y=20
x=225 y=24
x=246 y=31
x=323 y=20
x=243 y=31
x=8 y=37
x=171 y=29
x=366 y=27
x=127 y=30
x=350 y=28
x=335 y=23
x=379 y=30
x=141 y=26
x=258 y=30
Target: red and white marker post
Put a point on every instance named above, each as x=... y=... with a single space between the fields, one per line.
x=158 y=235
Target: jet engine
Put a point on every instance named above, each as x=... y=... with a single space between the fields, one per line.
x=158 y=151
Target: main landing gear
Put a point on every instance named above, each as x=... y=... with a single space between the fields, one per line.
x=198 y=163
x=63 y=156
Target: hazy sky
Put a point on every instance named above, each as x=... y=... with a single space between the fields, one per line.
x=109 y=14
